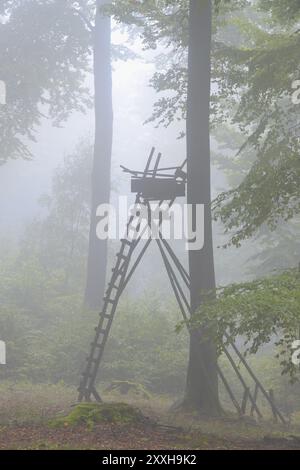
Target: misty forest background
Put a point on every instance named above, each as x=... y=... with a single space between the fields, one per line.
x=47 y=146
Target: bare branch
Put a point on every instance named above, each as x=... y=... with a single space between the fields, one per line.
x=87 y=22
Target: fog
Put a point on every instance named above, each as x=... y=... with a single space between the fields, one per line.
x=189 y=335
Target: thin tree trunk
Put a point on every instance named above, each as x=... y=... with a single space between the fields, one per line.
x=202 y=379
x=101 y=175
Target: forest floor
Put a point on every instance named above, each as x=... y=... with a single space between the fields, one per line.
x=26 y=410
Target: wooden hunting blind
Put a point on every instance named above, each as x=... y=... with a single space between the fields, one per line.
x=165 y=185
x=158 y=184
x=155 y=189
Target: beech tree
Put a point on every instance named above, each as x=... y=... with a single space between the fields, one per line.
x=101 y=175
x=47 y=49
x=187 y=26
x=202 y=377
x=246 y=96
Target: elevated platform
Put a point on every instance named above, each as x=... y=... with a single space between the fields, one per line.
x=158 y=183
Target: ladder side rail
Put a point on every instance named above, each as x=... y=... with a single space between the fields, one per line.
x=229 y=391
x=94 y=362
x=136 y=263
x=255 y=398
x=172 y=278
x=97 y=347
x=185 y=276
x=241 y=379
x=178 y=286
x=103 y=314
x=138 y=260
x=178 y=293
x=256 y=380
x=251 y=398
x=173 y=283
x=245 y=401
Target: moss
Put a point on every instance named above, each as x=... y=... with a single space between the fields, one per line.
x=94 y=413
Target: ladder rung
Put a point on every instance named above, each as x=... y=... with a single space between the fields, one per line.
x=85 y=376
x=96 y=345
x=132 y=227
x=100 y=331
x=113 y=286
x=126 y=242
x=103 y=328
x=104 y=315
x=122 y=256
x=120 y=270
x=91 y=359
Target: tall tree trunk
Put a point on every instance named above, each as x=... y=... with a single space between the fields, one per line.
x=202 y=378
x=101 y=175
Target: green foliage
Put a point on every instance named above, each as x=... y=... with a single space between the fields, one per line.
x=46 y=50
x=284 y=11
x=50 y=344
x=90 y=414
x=166 y=23
x=259 y=312
x=278 y=250
x=45 y=54
x=254 y=62
x=42 y=319
x=255 y=80
x=144 y=347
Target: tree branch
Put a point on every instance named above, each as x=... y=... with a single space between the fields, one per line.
x=87 y=22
